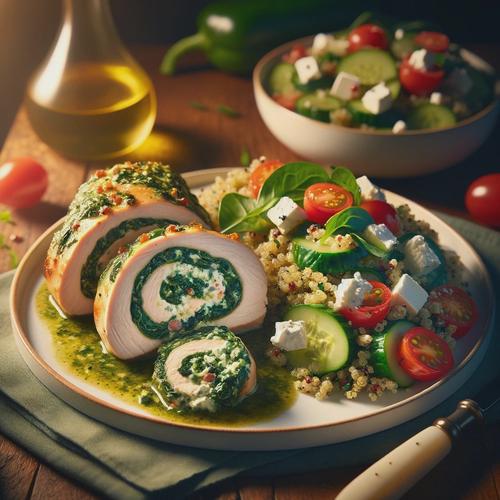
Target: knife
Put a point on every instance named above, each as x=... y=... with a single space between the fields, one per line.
x=395 y=473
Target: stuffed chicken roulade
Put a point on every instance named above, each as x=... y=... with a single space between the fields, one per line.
x=169 y=281
x=109 y=211
x=207 y=369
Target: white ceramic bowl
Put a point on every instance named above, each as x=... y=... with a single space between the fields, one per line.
x=377 y=153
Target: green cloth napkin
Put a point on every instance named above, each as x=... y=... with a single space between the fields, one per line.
x=122 y=465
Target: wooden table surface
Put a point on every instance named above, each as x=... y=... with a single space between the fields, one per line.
x=192 y=139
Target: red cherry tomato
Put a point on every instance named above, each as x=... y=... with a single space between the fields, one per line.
x=374 y=309
x=382 y=213
x=324 y=199
x=23 y=182
x=296 y=52
x=261 y=173
x=367 y=35
x=458 y=308
x=424 y=355
x=433 y=41
x=417 y=81
x=287 y=100
x=483 y=199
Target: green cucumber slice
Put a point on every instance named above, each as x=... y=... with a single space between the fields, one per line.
x=384 y=353
x=404 y=46
x=280 y=79
x=395 y=87
x=329 y=342
x=429 y=115
x=371 y=66
x=324 y=258
x=360 y=115
x=324 y=82
x=317 y=107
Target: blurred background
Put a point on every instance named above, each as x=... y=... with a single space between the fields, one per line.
x=28 y=27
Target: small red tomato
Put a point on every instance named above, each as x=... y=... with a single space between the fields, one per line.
x=287 y=100
x=261 y=173
x=296 y=52
x=483 y=199
x=324 y=199
x=424 y=355
x=417 y=81
x=374 y=309
x=23 y=182
x=433 y=41
x=382 y=213
x=367 y=35
x=458 y=308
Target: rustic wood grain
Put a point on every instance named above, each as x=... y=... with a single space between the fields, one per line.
x=190 y=139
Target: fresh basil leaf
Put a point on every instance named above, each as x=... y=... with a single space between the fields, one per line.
x=238 y=213
x=369 y=247
x=350 y=220
x=343 y=177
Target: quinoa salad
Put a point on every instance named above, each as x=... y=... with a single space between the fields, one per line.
x=361 y=296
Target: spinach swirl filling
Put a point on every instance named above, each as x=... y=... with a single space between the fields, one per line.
x=197 y=287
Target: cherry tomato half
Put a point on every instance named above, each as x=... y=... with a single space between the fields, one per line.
x=296 y=52
x=424 y=355
x=261 y=173
x=458 y=308
x=287 y=100
x=367 y=35
x=382 y=213
x=417 y=81
x=433 y=41
x=324 y=199
x=23 y=182
x=483 y=199
x=374 y=309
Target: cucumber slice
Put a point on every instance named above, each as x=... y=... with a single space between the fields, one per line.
x=329 y=342
x=323 y=82
x=323 y=258
x=404 y=46
x=360 y=115
x=430 y=116
x=317 y=107
x=280 y=79
x=384 y=353
x=371 y=66
x=395 y=87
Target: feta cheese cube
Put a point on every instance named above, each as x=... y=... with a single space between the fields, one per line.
x=399 y=126
x=380 y=235
x=307 y=69
x=286 y=215
x=377 y=99
x=324 y=43
x=436 y=98
x=420 y=259
x=290 y=335
x=422 y=59
x=368 y=190
x=345 y=86
x=351 y=292
x=409 y=293
x=459 y=82
x=399 y=34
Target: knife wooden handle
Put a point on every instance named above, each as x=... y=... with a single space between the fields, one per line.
x=398 y=471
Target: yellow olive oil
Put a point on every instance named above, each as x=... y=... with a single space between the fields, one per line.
x=92 y=111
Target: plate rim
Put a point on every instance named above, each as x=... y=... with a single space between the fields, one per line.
x=213 y=172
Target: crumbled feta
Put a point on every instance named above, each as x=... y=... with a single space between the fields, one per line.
x=458 y=81
x=399 y=126
x=422 y=59
x=324 y=43
x=345 y=86
x=203 y=403
x=399 y=34
x=307 y=69
x=420 y=259
x=380 y=236
x=368 y=190
x=377 y=99
x=409 y=293
x=286 y=215
x=351 y=292
x=290 y=335
x=436 y=98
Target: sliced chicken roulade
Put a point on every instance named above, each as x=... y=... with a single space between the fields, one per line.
x=207 y=369
x=172 y=280
x=109 y=211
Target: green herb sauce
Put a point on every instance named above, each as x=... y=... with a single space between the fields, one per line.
x=78 y=348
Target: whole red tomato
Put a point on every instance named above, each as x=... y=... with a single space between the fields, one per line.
x=382 y=213
x=367 y=35
x=23 y=182
x=483 y=199
x=419 y=81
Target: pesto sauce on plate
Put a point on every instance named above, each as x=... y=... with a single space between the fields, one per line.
x=78 y=348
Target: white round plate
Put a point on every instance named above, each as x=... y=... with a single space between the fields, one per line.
x=307 y=423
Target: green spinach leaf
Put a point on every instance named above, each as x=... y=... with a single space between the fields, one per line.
x=238 y=213
x=369 y=247
x=343 y=177
x=351 y=220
